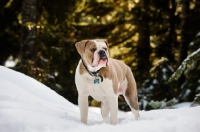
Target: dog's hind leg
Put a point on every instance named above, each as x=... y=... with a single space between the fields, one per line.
x=134 y=108
x=130 y=94
x=104 y=109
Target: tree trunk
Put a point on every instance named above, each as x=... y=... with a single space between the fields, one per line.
x=143 y=46
x=172 y=37
x=28 y=35
x=185 y=34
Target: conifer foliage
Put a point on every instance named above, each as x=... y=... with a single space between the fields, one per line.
x=190 y=67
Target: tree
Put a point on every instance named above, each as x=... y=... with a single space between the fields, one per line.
x=156 y=88
x=185 y=33
x=190 y=67
x=143 y=45
x=28 y=36
x=171 y=38
x=10 y=29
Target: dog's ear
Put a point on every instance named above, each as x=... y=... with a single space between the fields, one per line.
x=107 y=64
x=80 y=46
x=106 y=42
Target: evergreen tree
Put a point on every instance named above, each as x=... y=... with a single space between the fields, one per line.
x=190 y=67
x=10 y=29
x=143 y=45
x=185 y=34
x=156 y=87
x=28 y=35
x=196 y=100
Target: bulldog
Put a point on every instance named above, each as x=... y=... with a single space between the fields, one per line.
x=104 y=79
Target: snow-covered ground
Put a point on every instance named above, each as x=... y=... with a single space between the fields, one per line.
x=29 y=106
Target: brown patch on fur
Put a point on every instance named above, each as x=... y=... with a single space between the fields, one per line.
x=89 y=55
x=82 y=69
x=80 y=46
x=84 y=49
x=116 y=71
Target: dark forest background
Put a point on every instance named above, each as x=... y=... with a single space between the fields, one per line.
x=153 y=37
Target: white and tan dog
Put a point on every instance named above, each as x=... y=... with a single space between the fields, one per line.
x=104 y=79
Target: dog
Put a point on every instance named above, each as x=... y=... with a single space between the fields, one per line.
x=104 y=79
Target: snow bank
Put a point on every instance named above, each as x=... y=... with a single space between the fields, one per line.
x=29 y=106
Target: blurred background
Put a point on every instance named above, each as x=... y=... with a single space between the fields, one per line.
x=153 y=37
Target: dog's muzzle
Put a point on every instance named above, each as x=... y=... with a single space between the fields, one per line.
x=102 y=55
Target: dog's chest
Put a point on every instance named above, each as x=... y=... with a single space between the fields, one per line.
x=95 y=88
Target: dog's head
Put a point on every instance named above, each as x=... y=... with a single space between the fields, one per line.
x=94 y=53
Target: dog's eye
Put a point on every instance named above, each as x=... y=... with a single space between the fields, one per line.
x=93 y=49
x=105 y=49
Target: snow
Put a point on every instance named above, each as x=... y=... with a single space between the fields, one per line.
x=198 y=34
x=183 y=105
x=10 y=62
x=29 y=106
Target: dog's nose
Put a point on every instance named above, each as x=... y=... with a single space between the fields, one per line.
x=102 y=53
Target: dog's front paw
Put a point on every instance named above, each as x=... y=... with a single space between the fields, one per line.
x=137 y=116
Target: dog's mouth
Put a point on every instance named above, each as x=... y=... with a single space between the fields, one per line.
x=102 y=55
x=101 y=61
x=103 y=58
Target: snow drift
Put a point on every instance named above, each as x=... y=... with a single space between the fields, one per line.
x=27 y=105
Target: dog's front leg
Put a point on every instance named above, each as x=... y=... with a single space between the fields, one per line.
x=113 y=106
x=83 y=106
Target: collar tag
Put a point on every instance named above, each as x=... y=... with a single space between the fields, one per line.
x=96 y=80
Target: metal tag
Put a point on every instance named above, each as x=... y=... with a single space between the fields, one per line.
x=96 y=80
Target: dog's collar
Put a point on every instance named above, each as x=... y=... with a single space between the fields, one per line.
x=94 y=74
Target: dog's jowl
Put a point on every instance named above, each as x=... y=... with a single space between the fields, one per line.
x=104 y=79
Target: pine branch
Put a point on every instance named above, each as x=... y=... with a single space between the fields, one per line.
x=195 y=56
x=196 y=100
